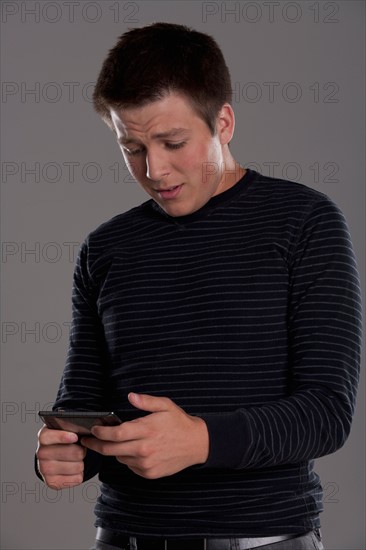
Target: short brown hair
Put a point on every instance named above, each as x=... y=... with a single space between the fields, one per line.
x=148 y=63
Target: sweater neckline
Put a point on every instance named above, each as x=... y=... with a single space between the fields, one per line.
x=212 y=204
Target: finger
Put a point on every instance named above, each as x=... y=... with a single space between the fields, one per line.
x=64 y=453
x=150 y=403
x=62 y=482
x=128 y=431
x=52 y=437
x=56 y=467
x=107 y=448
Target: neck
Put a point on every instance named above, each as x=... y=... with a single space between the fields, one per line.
x=231 y=173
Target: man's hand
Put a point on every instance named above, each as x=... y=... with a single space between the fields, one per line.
x=158 y=445
x=60 y=460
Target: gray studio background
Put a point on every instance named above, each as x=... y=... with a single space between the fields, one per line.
x=298 y=74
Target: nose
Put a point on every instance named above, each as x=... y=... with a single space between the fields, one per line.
x=157 y=165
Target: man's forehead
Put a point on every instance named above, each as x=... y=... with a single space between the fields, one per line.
x=173 y=106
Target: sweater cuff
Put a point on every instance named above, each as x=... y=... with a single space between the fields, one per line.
x=92 y=463
x=38 y=473
x=230 y=440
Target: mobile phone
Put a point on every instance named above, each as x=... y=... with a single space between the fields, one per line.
x=79 y=422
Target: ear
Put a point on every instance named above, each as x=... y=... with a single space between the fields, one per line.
x=225 y=124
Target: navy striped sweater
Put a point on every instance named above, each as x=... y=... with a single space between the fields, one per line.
x=246 y=313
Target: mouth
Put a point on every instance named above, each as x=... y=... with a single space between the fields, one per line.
x=170 y=192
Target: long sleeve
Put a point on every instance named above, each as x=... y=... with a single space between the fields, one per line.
x=84 y=375
x=324 y=335
x=83 y=379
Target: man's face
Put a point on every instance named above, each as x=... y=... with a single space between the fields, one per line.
x=172 y=154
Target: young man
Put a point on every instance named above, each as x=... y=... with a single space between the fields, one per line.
x=220 y=319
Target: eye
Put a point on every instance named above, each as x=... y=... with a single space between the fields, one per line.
x=132 y=152
x=175 y=145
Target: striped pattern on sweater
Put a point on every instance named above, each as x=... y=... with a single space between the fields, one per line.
x=246 y=313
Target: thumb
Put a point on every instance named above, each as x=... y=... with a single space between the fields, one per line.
x=149 y=403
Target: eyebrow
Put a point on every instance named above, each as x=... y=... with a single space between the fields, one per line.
x=174 y=132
